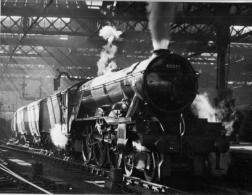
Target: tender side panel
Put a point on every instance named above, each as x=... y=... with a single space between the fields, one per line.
x=49 y=113
x=33 y=118
x=44 y=120
x=20 y=121
x=54 y=110
x=36 y=110
x=57 y=109
x=26 y=121
x=14 y=124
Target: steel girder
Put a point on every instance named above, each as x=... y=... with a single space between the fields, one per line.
x=135 y=28
x=132 y=30
x=74 y=53
x=199 y=13
x=188 y=24
x=49 y=25
x=37 y=45
x=83 y=58
x=42 y=3
x=207 y=13
x=127 y=47
x=76 y=57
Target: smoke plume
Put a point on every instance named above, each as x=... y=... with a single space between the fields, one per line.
x=106 y=63
x=160 y=16
x=58 y=138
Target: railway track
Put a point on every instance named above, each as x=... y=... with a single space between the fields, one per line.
x=127 y=184
x=132 y=184
x=12 y=182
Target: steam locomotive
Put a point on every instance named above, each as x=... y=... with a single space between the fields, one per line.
x=137 y=118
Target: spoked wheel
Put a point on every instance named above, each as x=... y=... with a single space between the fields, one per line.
x=86 y=148
x=99 y=151
x=151 y=166
x=128 y=162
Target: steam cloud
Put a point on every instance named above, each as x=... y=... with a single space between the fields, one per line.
x=160 y=15
x=202 y=108
x=57 y=137
x=106 y=63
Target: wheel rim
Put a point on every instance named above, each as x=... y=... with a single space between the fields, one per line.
x=150 y=170
x=86 y=148
x=99 y=151
x=129 y=164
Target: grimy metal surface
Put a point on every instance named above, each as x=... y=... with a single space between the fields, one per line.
x=111 y=87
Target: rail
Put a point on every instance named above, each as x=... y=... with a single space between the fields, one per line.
x=127 y=181
x=20 y=178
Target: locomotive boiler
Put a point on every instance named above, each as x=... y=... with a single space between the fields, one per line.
x=137 y=118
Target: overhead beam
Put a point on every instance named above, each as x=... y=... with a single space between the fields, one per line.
x=129 y=35
x=35 y=47
x=87 y=30
x=200 y=14
x=57 y=58
x=52 y=41
x=31 y=11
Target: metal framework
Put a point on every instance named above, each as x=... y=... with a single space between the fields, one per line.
x=198 y=13
x=42 y=3
x=132 y=29
x=76 y=26
x=190 y=25
x=44 y=51
x=49 y=25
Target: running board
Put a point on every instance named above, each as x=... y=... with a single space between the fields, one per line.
x=108 y=120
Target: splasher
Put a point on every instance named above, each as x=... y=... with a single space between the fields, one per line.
x=160 y=17
x=58 y=138
x=106 y=63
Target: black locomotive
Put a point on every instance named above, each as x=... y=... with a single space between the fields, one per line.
x=138 y=118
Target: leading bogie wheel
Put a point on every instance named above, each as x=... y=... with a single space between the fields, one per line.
x=128 y=162
x=151 y=166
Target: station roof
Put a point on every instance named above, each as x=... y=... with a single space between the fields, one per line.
x=67 y=30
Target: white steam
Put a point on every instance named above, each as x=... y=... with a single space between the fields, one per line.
x=106 y=63
x=109 y=33
x=202 y=108
x=229 y=127
x=58 y=138
x=160 y=17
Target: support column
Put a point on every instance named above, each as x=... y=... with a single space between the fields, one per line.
x=25 y=21
x=222 y=41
